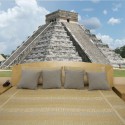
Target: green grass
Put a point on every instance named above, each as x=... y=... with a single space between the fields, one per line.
x=117 y=73
x=5 y=73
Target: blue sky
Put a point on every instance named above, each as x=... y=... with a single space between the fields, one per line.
x=19 y=18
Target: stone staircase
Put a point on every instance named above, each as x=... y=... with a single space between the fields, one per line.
x=21 y=52
x=62 y=38
x=87 y=45
x=115 y=59
x=53 y=45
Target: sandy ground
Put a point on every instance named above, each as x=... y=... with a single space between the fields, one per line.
x=119 y=80
x=3 y=79
x=4 y=70
x=119 y=68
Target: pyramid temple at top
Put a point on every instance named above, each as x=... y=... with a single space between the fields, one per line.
x=62 y=38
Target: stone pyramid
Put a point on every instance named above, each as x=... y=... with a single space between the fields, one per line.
x=54 y=44
x=62 y=38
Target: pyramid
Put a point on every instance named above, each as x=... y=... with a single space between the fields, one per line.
x=54 y=44
x=62 y=38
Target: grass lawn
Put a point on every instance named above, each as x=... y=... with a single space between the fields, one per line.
x=117 y=73
x=5 y=73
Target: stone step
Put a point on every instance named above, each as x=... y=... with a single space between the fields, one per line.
x=54 y=45
x=17 y=52
x=91 y=50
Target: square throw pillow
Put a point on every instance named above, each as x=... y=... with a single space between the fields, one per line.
x=74 y=79
x=40 y=81
x=29 y=79
x=51 y=78
x=98 y=80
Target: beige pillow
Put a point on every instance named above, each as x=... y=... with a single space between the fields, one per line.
x=74 y=78
x=29 y=79
x=98 y=80
x=51 y=78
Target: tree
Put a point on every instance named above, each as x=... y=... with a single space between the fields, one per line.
x=5 y=56
x=117 y=50
x=121 y=51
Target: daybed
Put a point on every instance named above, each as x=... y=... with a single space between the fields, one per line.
x=61 y=106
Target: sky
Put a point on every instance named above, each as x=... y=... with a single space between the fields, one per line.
x=20 y=18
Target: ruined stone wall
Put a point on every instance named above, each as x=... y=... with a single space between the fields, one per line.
x=62 y=15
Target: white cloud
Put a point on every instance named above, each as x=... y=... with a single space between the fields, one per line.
x=79 y=18
x=116 y=7
x=95 y=1
x=113 y=43
x=26 y=3
x=114 y=21
x=18 y=22
x=92 y=23
x=88 y=9
x=2 y=47
x=105 y=12
x=73 y=11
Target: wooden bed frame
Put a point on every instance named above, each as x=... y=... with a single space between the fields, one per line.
x=61 y=106
x=16 y=70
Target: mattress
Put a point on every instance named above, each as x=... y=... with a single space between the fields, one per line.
x=61 y=107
